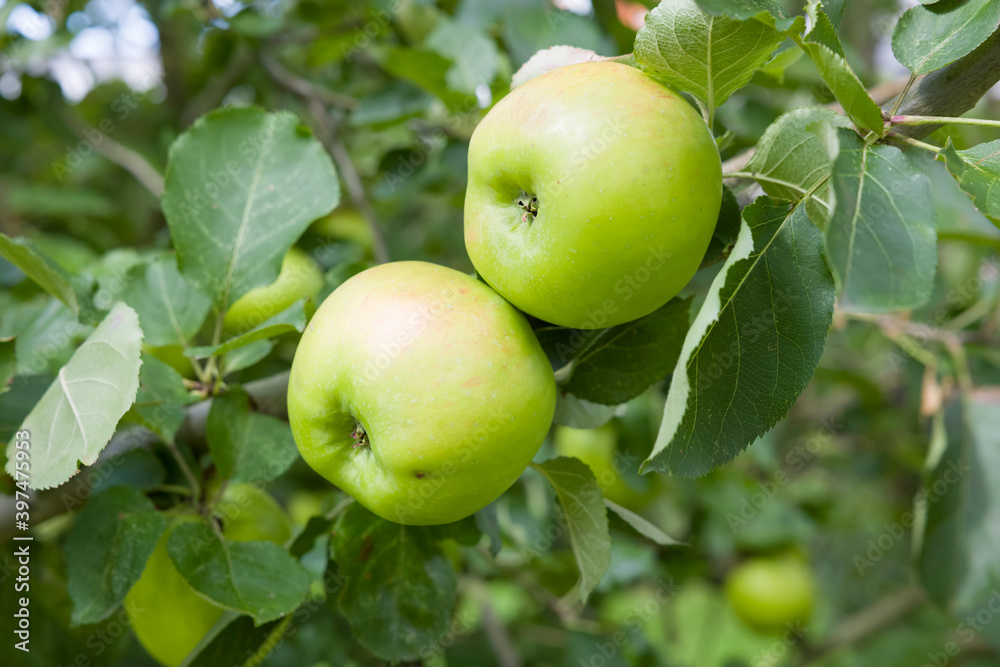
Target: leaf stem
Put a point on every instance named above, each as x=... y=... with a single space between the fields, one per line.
x=902 y=95
x=186 y=469
x=338 y=508
x=915 y=142
x=777 y=181
x=942 y=120
x=270 y=643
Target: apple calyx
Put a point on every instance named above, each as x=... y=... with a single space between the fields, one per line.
x=529 y=204
x=360 y=436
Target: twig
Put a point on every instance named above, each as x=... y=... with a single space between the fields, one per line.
x=497 y=635
x=330 y=137
x=186 y=469
x=870 y=620
x=942 y=120
x=121 y=155
x=303 y=87
x=915 y=142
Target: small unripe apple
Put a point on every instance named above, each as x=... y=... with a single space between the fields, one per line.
x=598 y=448
x=593 y=194
x=770 y=593
x=300 y=277
x=170 y=618
x=419 y=391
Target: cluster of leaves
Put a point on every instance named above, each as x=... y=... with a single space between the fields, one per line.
x=849 y=218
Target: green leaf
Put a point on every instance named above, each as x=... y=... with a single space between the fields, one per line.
x=928 y=37
x=641 y=525
x=232 y=640
x=290 y=319
x=247 y=356
x=583 y=515
x=110 y=542
x=77 y=416
x=631 y=357
x=400 y=588
x=727 y=227
x=427 y=69
x=474 y=55
x=241 y=186
x=708 y=56
x=159 y=404
x=170 y=310
x=247 y=446
x=22 y=254
x=579 y=413
x=139 y=468
x=841 y=79
x=766 y=11
x=256 y=578
x=753 y=346
x=962 y=499
x=46 y=334
x=881 y=240
x=489 y=524
x=8 y=363
x=977 y=171
x=798 y=149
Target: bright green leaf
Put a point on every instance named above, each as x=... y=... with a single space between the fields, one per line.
x=928 y=37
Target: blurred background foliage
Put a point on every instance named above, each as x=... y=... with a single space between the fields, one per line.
x=92 y=93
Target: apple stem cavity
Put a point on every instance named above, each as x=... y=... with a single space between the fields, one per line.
x=360 y=436
x=529 y=204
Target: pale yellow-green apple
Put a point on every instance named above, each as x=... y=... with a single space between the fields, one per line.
x=419 y=391
x=598 y=448
x=168 y=617
x=299 y=277
x=593 y=194
x=770 y=593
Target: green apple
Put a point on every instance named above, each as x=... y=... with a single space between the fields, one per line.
x=168 y=617
x=769 y=593
x=598 y=448
x=300 y=277
x=593 y=194
x=419 y=391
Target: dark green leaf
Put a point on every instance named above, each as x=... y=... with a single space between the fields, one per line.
x=111 y=540
x=232 y=640
x=247 y=446
x=400 y=588
x=928 y=37
x=8 y=363
x=256 y=578
x=241 y=186
x=631 y=357
x=753 y=346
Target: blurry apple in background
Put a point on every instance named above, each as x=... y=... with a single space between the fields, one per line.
x=420 y=392
x=593 y=194
x=598 y=448
x=170 y=618
x=770 y=593
x=300 y=277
